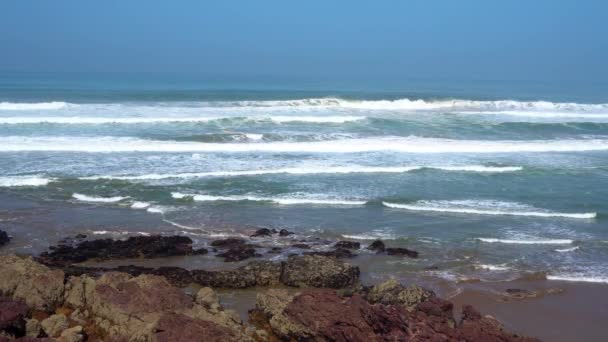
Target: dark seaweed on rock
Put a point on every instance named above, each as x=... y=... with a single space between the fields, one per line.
x=134 y=247
x=4 y=238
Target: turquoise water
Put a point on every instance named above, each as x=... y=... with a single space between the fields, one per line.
x=507 y=177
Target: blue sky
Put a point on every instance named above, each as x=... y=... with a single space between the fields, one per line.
x=533 y=39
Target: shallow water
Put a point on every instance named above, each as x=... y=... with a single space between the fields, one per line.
x=485 y=182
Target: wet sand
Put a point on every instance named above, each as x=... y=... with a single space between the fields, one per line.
x=579 y=313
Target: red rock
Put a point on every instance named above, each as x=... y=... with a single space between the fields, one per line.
x=172 y=327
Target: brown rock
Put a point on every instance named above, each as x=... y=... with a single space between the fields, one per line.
x=12 y=316
x=37 y=285
x=392 y=292
x=172 y=327
x=318 y=271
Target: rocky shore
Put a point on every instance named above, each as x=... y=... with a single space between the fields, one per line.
x=306 y=297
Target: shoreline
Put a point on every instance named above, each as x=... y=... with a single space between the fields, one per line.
x=533 y=307
x=577 y=310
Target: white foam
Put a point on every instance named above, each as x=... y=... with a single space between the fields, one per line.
x=404 y=104
x=86 y=198
x=501 y=267
x=92 y=120
x=252 y=136
x=578 y=278
x=33 y=106
x=485 y=207
x=528 y=242
x=566 y=250
x=410 y=144
x=312 y=170
x=277 y=200
x=140 y=205
x=16 y=181
x=155 y=210
x=373 y=235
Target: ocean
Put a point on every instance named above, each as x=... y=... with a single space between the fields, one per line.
x=486 y=180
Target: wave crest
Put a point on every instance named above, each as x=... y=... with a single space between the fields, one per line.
x=485 y=207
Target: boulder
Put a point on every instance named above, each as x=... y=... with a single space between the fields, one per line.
x=133 y=247
x=377 y=245
x=12 y=316
x=4 y=238
x=263 y=232
x=54 y=325
x=238 y=253
x=322 y=315
x=174 y=327
x=24 y=279
x=138 y=308
x=33 y=327
x=392 y=292
x=402 y=251
x=73 y=334
x=285 y=232
x=256 y=273
x=348 y=244
x=318 y=271
x=227 y=243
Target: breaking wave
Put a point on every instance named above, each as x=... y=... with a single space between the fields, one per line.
x=86 y=198
x=410 y=144
x=312 y=170
x=485 y=207
x=15 y=181
x=277 y=200
x=528 y=242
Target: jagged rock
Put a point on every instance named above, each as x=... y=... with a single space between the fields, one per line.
x=377 y=245
x=474 y=327
x=173 y=327
x=132 y=308
x=348 y=244
x=24 y=279
x=402 y=251
x=301 y=246
x=339 y=253
x=275 y=250
x=285 y=232
x=227 y=243
x=134 y=247
x=54 y=325
x=256 y=273
x=268 y=315
x=263 y=232
x=392 y=292
x=4 y=238
x=74 y=334
x=322 y=315
x=33 y=327
x=12 y=316
x=318 y=271
x=208 y=298
x=238 y=253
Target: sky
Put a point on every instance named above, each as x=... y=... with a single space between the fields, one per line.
x=537 y=40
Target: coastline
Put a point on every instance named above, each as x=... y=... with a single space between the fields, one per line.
x=573 y=312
